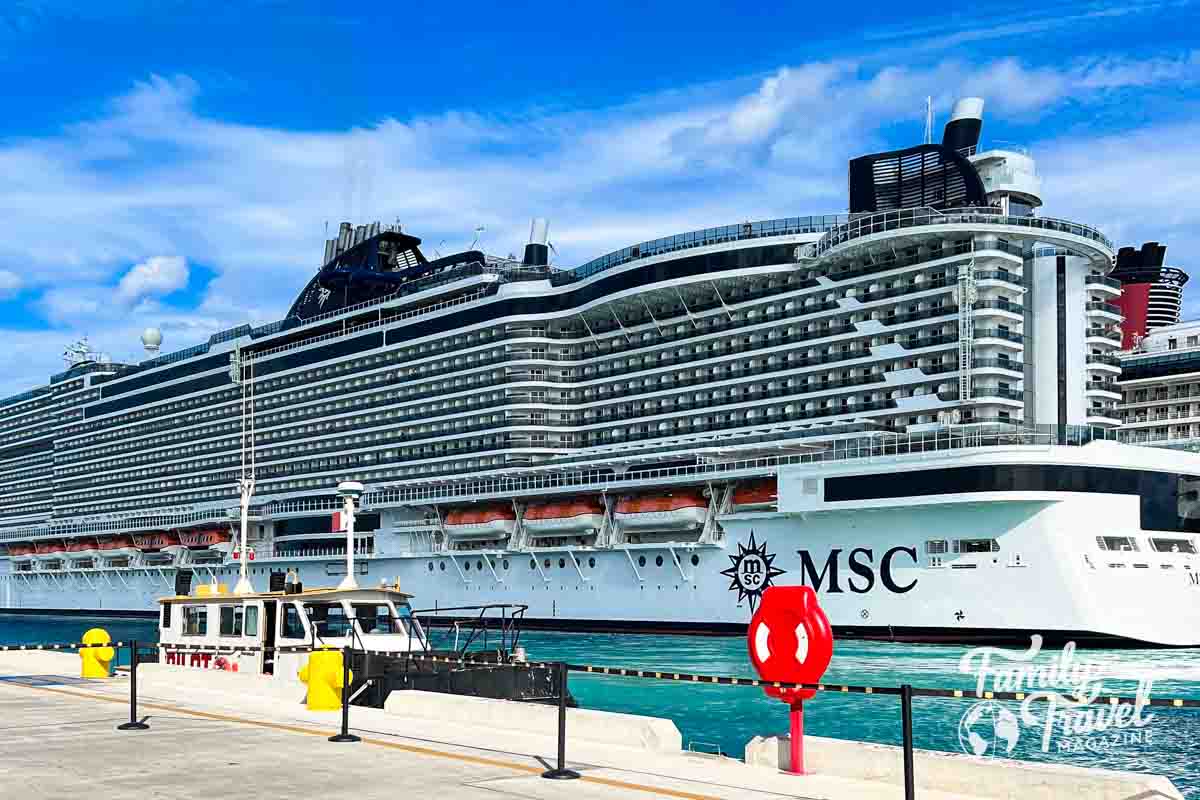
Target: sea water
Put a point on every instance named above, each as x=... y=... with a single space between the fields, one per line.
x=723 y=718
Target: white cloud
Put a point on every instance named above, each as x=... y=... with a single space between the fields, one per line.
x=10 y=283
x=158 y=275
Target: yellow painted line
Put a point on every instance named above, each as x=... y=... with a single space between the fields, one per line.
x=408 y=748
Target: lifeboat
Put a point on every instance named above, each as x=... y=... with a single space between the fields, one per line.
x=120 y=546
x=20 y=552
x=667 y=511
x=496 y=521
x=571 y=517
x=756 y=495
x=165 y=542
x=82 y=549
x=216 y=540
x=49 y=551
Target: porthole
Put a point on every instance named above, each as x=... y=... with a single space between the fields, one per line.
x=532 y=564
x=658 y=561
x=695 y=561
x=591 y=563
x=562 y=563
x=505 y=563
x=431 y=566
x=641 y=561
x=546 y=563
x=479 y=566
x=466 y=566
x=442 y=566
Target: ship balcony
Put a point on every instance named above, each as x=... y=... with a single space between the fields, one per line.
x=1002 y=366
x=1000 y=337
x=1158 y=419
x=1000 y=309
x=1103 y=362
x=1100 y=283
x=1102 y=417
x=1002 y=278
x=1102 y=337
x=1103 y=390
x=988 y=394
x=1103 y=311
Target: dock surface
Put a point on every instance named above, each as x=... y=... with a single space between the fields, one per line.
x=60 y=740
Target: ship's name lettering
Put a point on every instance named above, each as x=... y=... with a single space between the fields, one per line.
x=861 y=562
x=1195 y=578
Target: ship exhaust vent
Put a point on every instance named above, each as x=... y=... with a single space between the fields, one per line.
x=537 y=252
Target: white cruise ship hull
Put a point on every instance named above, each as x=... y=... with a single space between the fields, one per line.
x=882 y=568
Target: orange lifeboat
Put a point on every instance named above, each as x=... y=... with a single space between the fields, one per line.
x=214 y=539
x=160 y=542
x=19 y=551
x=756 y=495
x=49 y=551
x=120 y=546
x=494 y=521
x=80 y=549
x=666 y=511
x=577 y=516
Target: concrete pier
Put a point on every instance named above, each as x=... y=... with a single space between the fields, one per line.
x=210 y=737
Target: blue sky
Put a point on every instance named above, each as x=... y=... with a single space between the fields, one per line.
x=172 y=163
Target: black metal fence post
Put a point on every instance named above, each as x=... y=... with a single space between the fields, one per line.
x=561 y=772
x=906 y=695
x=133 y=724
x=345 y=735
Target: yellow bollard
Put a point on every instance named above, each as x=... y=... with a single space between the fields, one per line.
x=323 y=674
x=97 y=661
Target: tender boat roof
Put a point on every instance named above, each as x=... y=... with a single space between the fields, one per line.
x=323 y=594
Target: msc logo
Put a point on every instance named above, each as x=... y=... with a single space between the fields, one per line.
x=1194 y=577
x=752 y=571
x=861 y=562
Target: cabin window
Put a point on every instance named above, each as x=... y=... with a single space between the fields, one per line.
x=935 y=547
x=251 y=621
x=976 y=546
x=293 y=628
x=231 y=620
x=1173 y=546
x=373 y=618
x=1125 y=544
x=328 y=619
x=166 y=616
x=195 y=620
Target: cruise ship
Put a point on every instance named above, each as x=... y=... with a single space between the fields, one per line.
x=910 y=407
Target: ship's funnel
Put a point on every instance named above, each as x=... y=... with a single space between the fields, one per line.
x=537 y=252
x=966 y=120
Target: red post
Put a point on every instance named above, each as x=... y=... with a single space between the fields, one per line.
x=797 y=738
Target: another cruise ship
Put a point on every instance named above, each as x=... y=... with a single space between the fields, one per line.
x=910 y=407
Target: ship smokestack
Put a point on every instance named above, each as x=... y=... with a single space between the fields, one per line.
x=962 y=131
x=537 y=252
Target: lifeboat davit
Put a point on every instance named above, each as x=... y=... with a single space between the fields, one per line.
x=578 y=516
x=161 y=542
x=217 y=540
x=496 y=521
x=120 y=546
x=756 y=495
x=666 y=511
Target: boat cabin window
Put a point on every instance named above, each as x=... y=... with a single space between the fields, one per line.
x=195 y=620
x=166 y=616
x=976 y=546
x=1118 y=543
x=231 y=620
x=935 y=547
x=376 y=618
x=251 y=621
x=1173 y=546
x=293 y=626
x=328 y=619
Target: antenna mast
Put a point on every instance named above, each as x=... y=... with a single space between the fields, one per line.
x=238 y=362
x=928 y=119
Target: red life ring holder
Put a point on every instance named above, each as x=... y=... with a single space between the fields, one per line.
x=790 y=640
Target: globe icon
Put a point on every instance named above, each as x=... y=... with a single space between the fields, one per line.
x=988 y=729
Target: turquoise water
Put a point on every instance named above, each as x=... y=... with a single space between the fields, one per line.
x=725 y=717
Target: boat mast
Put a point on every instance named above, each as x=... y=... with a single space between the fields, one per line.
x=246 y=482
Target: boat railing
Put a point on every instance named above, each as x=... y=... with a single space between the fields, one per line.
x=493 y=626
